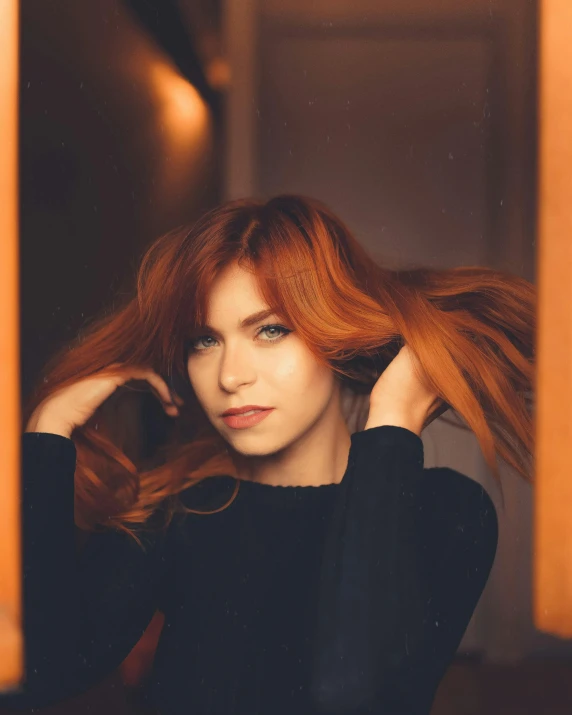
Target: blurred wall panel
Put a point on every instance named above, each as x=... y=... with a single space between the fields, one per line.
x=416 y=121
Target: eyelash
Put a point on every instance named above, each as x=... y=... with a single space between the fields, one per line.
x=286 y=331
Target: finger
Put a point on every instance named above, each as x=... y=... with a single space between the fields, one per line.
x=158 y=386
x=163 y=389
x=177 y=399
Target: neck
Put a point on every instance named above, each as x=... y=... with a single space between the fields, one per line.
x=319 y=456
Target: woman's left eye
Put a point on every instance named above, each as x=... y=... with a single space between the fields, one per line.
x=284 y=330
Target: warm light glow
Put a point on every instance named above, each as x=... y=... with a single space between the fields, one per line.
x=552 y=587
x=183 y=111
x=184 y=133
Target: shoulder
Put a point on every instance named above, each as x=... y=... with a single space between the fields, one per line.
x=453 y=505
x=445 y=487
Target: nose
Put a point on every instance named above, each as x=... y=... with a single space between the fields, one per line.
x=236 y=368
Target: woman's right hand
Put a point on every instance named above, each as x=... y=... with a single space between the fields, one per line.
x=72 y=406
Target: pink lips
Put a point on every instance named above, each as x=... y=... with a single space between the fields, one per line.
x=239 y=421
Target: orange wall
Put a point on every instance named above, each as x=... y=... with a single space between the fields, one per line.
x=553 y=492
x=11 y=655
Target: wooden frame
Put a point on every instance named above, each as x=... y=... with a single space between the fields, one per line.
x=11 y=639
x=552 y=587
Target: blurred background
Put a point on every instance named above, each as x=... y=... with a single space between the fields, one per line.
x=414 y=120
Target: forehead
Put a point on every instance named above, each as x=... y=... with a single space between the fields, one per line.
x=235 y=285
x=234 y=275
x=234 y=296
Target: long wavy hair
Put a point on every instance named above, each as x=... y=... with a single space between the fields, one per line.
x=471 y=328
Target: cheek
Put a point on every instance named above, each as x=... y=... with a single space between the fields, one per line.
x=300 y=375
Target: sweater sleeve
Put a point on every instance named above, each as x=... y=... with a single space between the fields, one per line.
x=82 y=612
x=382 y=581
x=458 y=538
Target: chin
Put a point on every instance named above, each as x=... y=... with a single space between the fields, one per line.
x=253 y=446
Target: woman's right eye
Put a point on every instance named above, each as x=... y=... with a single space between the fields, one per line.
x=192 y=343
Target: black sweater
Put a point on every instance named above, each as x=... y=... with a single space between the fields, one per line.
x=294 y=600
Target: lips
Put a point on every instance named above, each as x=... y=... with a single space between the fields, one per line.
x=248 y=419
x=243 y=409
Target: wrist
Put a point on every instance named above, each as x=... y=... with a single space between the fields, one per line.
x=49 y=424
x=394 y=419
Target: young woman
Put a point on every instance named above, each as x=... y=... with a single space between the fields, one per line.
x=302 y=565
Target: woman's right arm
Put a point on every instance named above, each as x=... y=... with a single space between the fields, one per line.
x=82 y=613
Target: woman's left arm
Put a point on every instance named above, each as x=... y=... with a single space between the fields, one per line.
x=370 y=603
x=458 y=529
x=400 y=578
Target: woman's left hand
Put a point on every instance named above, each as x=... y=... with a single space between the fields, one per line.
x=401 y=397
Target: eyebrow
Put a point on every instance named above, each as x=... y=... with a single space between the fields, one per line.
x=248 y=321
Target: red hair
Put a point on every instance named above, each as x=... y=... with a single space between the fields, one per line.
x=472 y=329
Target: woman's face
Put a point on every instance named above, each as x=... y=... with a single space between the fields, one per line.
x=231 y=366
